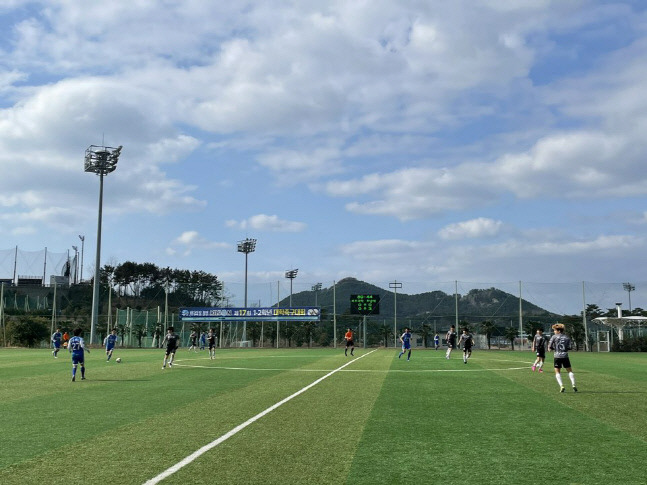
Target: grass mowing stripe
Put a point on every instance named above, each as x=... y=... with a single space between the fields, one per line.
x=167 y=430
x=310 y=440
x=171 y=470
x=612 y=389
x=486 y=428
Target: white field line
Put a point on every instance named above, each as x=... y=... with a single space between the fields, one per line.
x=260 y=369
x=196 y=454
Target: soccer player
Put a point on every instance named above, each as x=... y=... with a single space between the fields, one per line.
x=76 y=346
x=56 y=342
x=539 y=346
x=203 y=340
x=194 y=340
x=172 y=342
x=561 y=344
x=467 y=340
x=349 y=342
x=110 y=341
x=405 y=338
x=451 y=341
x=436 y=341
x=211 y=338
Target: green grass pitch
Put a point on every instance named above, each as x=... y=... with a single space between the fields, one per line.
x=378 y=420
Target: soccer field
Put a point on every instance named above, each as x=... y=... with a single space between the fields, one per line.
x=367 y=419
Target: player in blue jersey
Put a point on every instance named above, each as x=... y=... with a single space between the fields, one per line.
x=76 y=346
x=57 y=337
x=110 y=342
x=203 y=340
x=436 y=341
x=405 y=338
x=172 y=342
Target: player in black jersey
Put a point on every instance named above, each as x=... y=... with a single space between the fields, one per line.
x=467 y=341
x=451 y=341
x=211 y=338
x=193 y=338
x=539 y=346
x=561 y=344
x=172 y=342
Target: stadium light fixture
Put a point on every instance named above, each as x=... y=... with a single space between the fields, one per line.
x=247 y=246
x=100 y=160
x=291 y=274
x=629 y=288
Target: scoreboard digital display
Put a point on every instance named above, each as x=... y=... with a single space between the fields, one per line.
x=365 y=304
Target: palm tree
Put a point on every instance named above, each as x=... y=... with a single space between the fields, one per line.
x=424 y=331
x=487 y=328
x=385 y=334
x=511 y=333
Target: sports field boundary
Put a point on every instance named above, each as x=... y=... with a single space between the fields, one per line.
x=201 y=451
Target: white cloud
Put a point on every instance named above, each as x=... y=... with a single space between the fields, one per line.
x=189 y=241
x=476 y=228
x=264 y=222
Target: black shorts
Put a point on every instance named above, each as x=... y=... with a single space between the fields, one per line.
x=212 y=346
x=350 y=343
x=562 y=362
x=467 y=348
x=451 y=345
x=170 y=350
x=541 y=353
x=193 y=342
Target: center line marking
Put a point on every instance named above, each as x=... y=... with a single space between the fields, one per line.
x=196 y=454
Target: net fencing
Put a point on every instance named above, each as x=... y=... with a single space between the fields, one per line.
x=427 y=308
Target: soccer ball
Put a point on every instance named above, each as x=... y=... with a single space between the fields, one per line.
x=118 y=360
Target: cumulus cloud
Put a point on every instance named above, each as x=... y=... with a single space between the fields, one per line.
x=540 y=256
x=270 y=223
x=475 y=228
x=189 y=241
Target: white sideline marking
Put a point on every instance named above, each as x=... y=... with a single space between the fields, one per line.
x=387 y=371
x=196 y=454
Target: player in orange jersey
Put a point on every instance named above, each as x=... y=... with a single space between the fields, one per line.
x=349 y=342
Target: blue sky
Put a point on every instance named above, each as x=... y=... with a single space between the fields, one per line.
x=424 y=142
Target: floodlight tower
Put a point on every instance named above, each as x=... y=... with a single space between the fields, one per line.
x=629 y=288
x=316 y=288
x=82 y=238
x=76 y=264
x=395 y=285
x=100 y=160
x=247 y=246
x=291 y=274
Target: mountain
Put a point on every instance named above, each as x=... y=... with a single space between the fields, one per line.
x=478 y=304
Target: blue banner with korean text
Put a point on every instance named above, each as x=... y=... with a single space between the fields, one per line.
x=268 y=314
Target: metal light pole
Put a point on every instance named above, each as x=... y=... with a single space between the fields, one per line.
x=316 y=287
x=101 y=161
x=76 y=264
x=247 y=246
x=629 y=288
x=291 y=274
x=82 y=238
x=395 y=285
